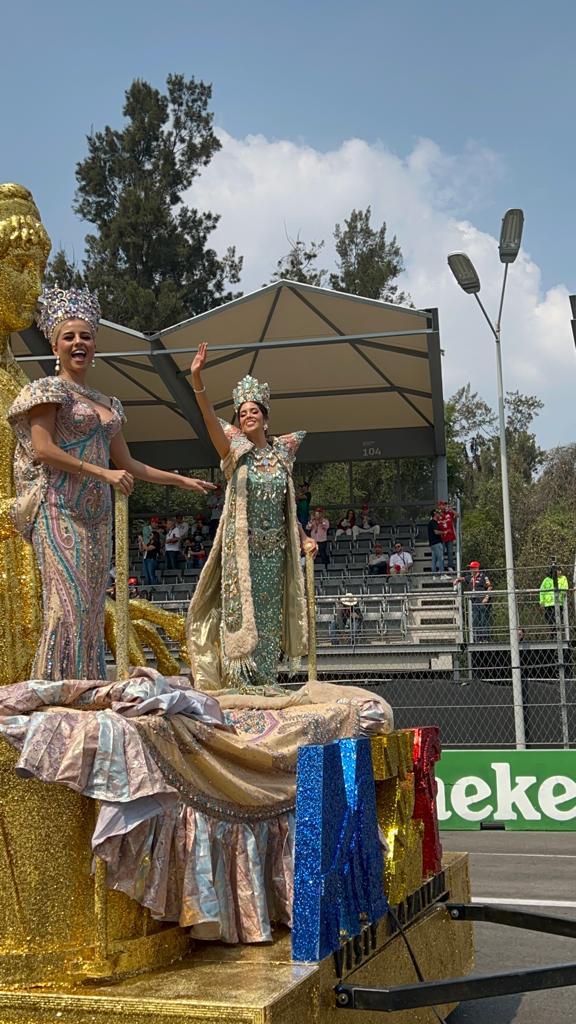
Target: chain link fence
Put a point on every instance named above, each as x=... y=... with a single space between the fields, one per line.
x=437 y=649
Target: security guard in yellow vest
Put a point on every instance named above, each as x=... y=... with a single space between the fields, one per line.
x=553 y=591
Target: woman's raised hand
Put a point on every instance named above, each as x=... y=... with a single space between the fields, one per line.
x=199 y=361
x=121 y=480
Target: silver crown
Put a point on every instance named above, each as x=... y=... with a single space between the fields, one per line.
x=251 y=390
x=60 y=304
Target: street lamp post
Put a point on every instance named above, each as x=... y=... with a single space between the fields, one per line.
x=466 y=276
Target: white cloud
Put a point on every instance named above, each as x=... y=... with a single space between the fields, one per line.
x=266 y=191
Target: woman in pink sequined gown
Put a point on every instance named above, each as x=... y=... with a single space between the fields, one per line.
x=67 y=434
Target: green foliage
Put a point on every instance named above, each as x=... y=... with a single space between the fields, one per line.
x=299 y=264
x=62 y=273
x=367 y=264
x=542 y=485
x=329 y=482
x=150 y=260
x=375 y=483
x=148 y=499
x=391 y=487
x=551 y=526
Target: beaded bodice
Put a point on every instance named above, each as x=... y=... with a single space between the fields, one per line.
x=79 y=430
x=267 y=484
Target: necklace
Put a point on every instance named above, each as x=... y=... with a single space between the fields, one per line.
x=265 y=457
x=91 y=393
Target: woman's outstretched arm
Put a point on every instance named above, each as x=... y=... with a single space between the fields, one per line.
x=121 y=457
x=213 y=425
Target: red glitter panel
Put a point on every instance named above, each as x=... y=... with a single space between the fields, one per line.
x=426 y=752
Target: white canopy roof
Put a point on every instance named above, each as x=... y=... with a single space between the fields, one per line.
x=363 y=377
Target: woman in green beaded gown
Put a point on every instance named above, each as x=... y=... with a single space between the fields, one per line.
x=249 y=605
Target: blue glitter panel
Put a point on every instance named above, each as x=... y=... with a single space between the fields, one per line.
x=338 y=867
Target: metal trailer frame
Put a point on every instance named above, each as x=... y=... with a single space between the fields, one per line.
x=483 y=986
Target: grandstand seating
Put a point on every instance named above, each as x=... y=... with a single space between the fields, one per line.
x=410 y=608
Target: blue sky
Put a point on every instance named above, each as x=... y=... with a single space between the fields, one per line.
x=491 y=87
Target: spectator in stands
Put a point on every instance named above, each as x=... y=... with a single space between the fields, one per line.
x=436 y=543
x=317 y=528
x=478 y=586
x=378 y=562
x=303 y=500
x=366 y=524
x=348 y=619
x=198 y=551
x=145 y=534
x=201 y=526
x=146 y=531
x=153 y=551
x=183 y=528
x=346 y=525
x=188 y=553
x=553 y=593
x=447 y=522
x=172 y=544
x=216 y=506
x=400 y=560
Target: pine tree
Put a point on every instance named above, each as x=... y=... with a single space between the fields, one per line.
x=368 y=264
x=149 y=259
x=62 y=273
x=300 y=263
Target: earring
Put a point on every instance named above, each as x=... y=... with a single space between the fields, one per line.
x=57 y=365
x=93 y=361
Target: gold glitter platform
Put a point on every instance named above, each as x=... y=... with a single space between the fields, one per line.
x=49 y=928
x=218 y=984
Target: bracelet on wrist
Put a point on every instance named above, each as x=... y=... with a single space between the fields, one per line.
x=81 y=466
x=198 y=391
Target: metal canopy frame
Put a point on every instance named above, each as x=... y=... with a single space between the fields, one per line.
x=280 y=318
x=484 y=986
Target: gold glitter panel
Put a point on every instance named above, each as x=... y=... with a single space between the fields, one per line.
x=220 y=984
x=47 y=923
x=385 y=756
x=44 y=863
x=392 y=760
x=392 y=755
x=24 y=248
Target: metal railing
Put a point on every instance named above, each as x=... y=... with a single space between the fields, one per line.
x=421 y=643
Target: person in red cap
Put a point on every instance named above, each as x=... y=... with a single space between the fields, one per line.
x=478 y=586
x=447 y=524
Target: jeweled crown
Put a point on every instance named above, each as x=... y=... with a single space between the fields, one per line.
x=59 y=304
x=251 y=390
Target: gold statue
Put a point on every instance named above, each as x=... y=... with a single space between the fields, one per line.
x=24 y=249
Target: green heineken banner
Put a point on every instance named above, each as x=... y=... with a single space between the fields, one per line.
x=519 y=789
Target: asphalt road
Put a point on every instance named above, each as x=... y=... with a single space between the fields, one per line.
x=537 y=872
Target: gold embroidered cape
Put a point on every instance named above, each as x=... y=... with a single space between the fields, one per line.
x=220 y=629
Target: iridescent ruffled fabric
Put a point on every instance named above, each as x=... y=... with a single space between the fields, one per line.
x=197 y=791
